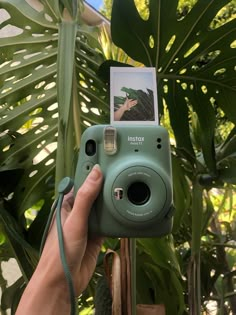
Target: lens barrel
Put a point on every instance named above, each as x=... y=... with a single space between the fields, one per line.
x=138 y=193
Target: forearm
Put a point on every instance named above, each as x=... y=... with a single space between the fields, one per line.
x=119 y=113
x=47 y=292
x=44 y=296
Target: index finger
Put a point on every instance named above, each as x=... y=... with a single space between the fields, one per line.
x=77 y=222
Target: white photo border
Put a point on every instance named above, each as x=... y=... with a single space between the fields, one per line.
x=140 y=73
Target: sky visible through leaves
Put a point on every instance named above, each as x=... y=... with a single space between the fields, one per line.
x=95 y=3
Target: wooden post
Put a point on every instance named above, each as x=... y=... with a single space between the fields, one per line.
x=143 y=309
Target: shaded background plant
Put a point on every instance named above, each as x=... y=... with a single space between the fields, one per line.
x=192 y=45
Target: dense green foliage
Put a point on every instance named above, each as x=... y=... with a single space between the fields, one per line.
x=192 y=45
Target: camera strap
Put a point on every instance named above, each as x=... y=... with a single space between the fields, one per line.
x=64 y=187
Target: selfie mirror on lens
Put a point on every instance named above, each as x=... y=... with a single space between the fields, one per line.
x=134 y=154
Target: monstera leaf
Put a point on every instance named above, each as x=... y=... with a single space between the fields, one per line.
x=194 y=59
x=28 y=95
x=29 y=35
x=46 y=63
x=193 y=51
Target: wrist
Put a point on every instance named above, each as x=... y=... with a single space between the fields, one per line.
x=44 y=293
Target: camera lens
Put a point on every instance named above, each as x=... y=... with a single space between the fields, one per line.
x=138 y=193
x=90 y=147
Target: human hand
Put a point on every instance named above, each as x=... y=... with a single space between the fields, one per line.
x=129 y=103
x=47 y=290
x=81 y=253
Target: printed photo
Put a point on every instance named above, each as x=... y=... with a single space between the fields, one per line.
x=133 y=95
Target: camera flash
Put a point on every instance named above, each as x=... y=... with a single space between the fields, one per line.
x=110 y=136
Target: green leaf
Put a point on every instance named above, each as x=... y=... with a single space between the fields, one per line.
x=165 y=291
x=197 y=213
x=65 y=84
x=227 y=170
x=201 y=104
x=194 y=62
x=142 y=281
x=182 y=193
x=161 y=251
x=228 y=147
x=71 y=6
x=12 y=294
x=25 y=255
x=28 y=97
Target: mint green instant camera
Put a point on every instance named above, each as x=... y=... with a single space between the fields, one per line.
x=136 y=199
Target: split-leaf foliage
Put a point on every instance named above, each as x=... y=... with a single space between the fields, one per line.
x=49 y=64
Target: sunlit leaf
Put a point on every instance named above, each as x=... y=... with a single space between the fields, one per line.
x=195 y=62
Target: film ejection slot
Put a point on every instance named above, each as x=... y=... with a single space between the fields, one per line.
x=110 y=140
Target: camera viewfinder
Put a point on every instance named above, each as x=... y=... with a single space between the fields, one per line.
x=90 y=147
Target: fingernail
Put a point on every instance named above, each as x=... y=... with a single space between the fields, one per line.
x=95 y=174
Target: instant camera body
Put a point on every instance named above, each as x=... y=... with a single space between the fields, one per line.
x=136 y=198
